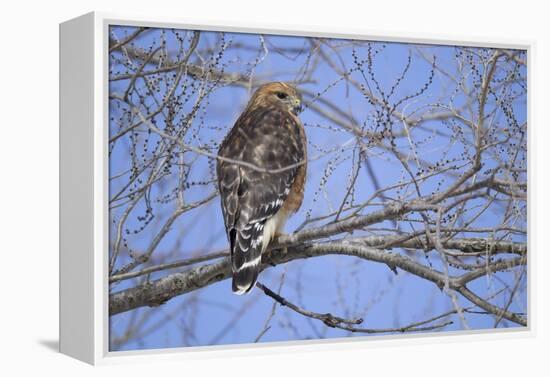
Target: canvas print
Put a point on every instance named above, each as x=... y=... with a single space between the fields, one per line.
x=269 y=188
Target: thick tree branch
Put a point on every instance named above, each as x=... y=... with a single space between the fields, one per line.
x=158 y=291
x=467 y=246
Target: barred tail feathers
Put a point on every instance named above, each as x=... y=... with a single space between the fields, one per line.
x=246 y=256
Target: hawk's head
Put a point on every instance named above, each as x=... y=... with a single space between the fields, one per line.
x=279 y=94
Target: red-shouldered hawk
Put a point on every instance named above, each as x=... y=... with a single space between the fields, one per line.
x=256 y=202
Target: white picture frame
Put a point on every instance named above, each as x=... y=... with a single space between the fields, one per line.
x=84 y=188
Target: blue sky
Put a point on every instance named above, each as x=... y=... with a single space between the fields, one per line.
x=344 y=286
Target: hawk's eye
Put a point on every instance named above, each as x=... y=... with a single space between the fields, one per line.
x=282 y=95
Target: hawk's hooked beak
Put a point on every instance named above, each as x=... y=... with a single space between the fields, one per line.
x=297 y=108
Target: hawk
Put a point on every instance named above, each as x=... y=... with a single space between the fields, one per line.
x=261 y=169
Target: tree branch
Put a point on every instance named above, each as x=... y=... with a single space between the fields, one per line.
x=331 y=320
x=327 y=318
x=159 y=291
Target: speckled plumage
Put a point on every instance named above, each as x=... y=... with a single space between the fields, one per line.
x=256 y=204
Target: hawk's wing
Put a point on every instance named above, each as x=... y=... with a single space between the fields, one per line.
x=267 y=138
